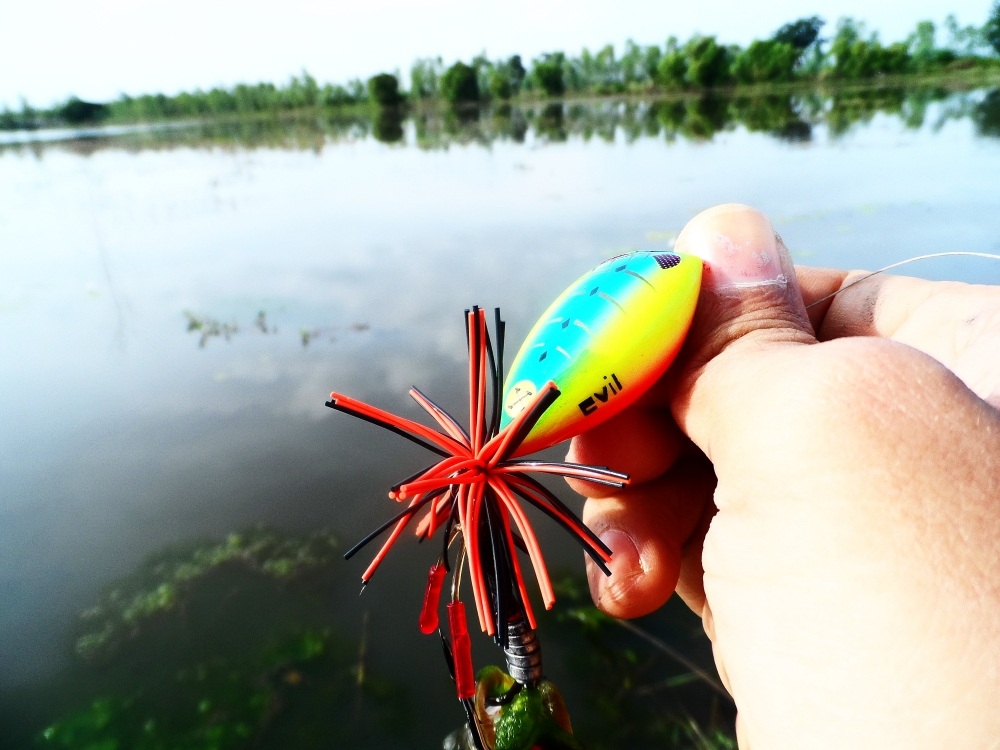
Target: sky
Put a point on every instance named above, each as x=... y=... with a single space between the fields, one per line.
x=100 y=49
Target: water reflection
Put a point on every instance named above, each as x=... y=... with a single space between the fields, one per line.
x=788 y=117
x=779 y=116
x=986 y=115
x=387 y=125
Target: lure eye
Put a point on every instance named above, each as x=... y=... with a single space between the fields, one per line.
x=517 y=398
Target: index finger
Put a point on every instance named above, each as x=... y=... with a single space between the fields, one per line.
x=958 y=324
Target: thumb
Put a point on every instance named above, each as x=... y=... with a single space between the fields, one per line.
x=750 y=303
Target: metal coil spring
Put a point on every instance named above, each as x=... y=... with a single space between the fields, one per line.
x=524 y=653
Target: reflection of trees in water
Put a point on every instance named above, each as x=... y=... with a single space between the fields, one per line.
x=291 y=133
x=387 y=125
x=986 y=114
x=550 y=124
x=912 y=106
x=786 y=116
x=781 y=116
x=511 y=121
x=704 y=117
x=857 y=107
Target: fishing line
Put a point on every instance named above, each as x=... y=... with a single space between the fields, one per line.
x=897 y=264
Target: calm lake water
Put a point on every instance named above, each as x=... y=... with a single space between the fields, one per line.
x=175 y=308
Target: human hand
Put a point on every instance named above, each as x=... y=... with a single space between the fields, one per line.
x=823 y=488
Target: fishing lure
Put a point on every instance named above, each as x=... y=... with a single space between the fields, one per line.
x=509 y=716
x=605 y=341
x=593 y=352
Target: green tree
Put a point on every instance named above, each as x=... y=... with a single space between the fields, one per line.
x=803 y=36
x=77 y=112
x=246 y=100
x=484 y=72
x=800 y=34
x=923 y=50
x=517 y=71
x=301 y=92
x=8 y=119
x=460 y=84
x=856 y=57
x=921 y=42
x=608 y=71
x=651 y=56
x=263 y=97
x=671 y=70
x=425 y=75
x=631 y=64
x=505 y=78
x=765 y=61
x=991 y=29
x=219 y=101
x=383 y=89
x=547 y=71
x=29 y=115
x=335 y=95
x=965 y=41
x=707 y=62
x=579 y=73
x=356 y=90
x=849 y=33
x=500 y=84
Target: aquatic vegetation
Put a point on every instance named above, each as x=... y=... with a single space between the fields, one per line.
x=639 y=691
x=164 y=580
x=209 y=328
x=229 y=645
x=221 y=703
x=300 y=689
x=223 y=644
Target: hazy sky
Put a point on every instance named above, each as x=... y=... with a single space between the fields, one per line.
x=99 y=49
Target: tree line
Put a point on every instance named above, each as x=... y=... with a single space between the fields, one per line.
x=796 y=52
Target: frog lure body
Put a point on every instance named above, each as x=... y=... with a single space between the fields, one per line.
x=510 y=716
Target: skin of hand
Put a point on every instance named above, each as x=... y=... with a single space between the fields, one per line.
x=823 y=488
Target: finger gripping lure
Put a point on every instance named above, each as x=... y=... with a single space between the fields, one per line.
x=596 y=350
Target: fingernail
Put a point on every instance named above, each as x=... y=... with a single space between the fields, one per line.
x=739 y=247
x=625 y=564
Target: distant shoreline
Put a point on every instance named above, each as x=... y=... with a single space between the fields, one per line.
x=795 y=58
x=793 y=113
